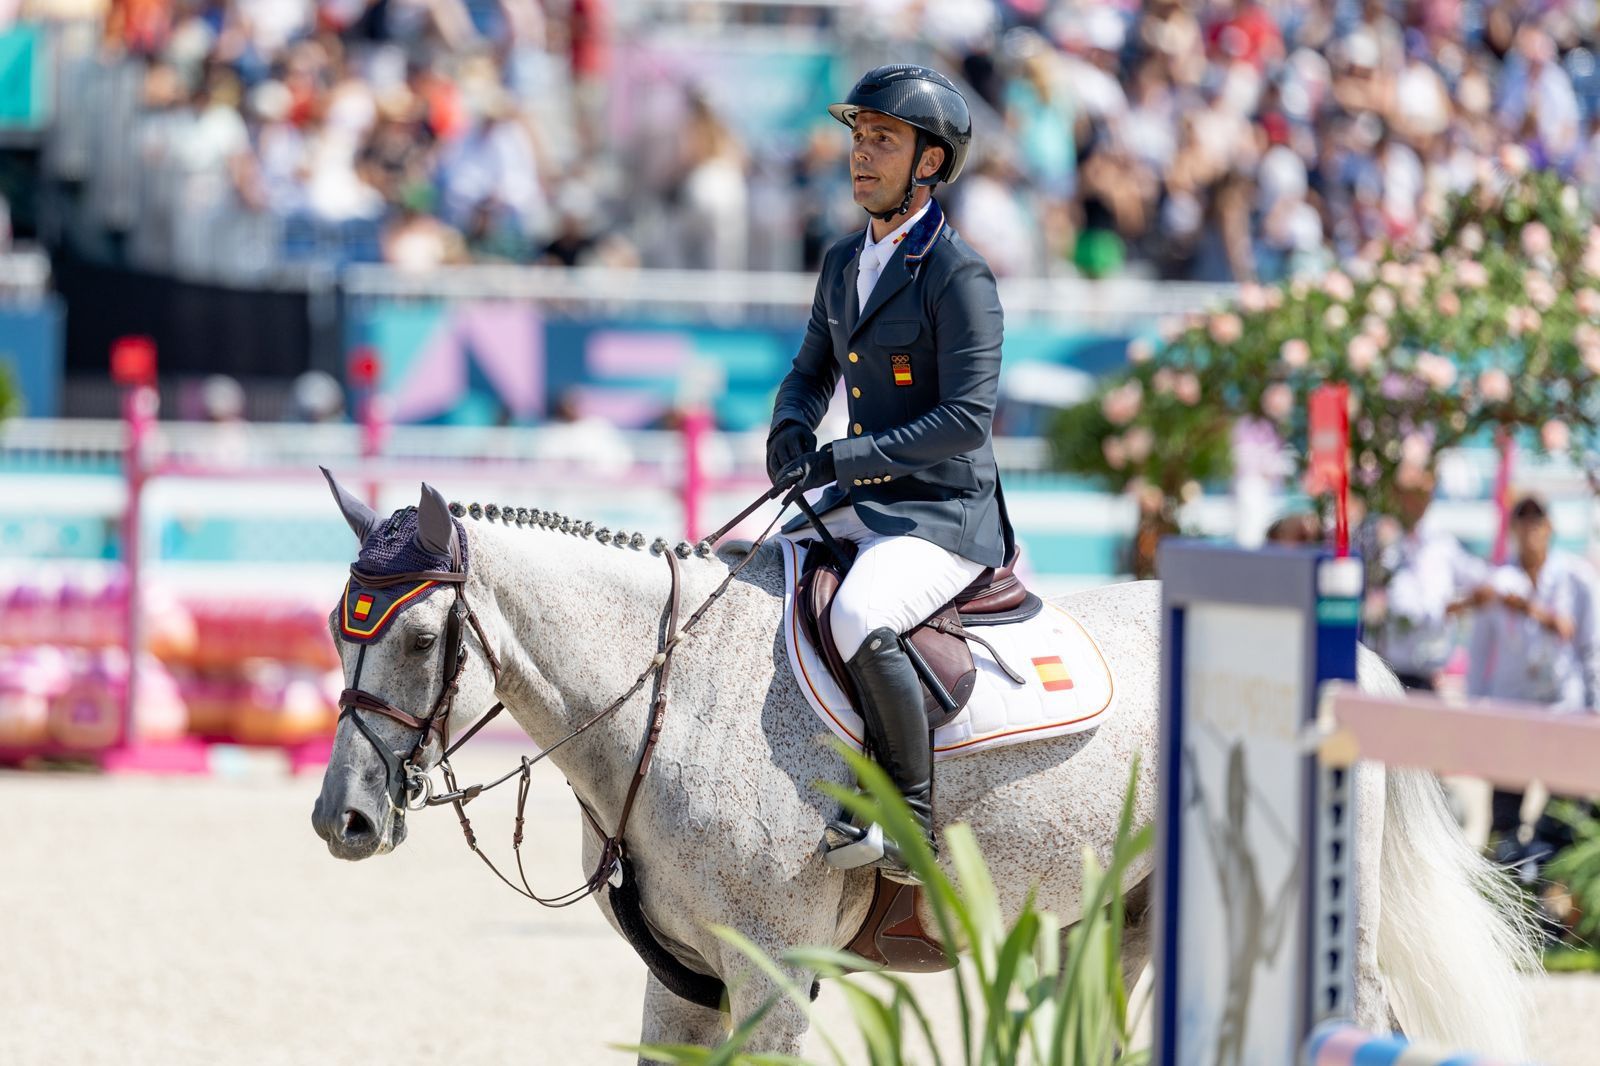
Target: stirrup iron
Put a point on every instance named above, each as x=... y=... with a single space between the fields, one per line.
x=851 y=847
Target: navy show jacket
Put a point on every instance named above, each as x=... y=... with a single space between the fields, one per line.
x=921 y=368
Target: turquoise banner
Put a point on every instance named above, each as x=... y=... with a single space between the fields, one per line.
x=495 y=363
x=24 y=84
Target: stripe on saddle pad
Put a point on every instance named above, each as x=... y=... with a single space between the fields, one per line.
x=1069 y=687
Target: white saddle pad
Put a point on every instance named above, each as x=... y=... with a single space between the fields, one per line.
x=1069 y=684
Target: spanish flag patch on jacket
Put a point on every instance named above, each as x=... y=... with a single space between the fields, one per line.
x=902 y=369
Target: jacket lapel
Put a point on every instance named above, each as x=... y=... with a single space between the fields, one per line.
x=852 y=302
x=898 y=270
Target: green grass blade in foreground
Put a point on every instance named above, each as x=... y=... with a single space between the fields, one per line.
x=786 y=985
x=881 y=803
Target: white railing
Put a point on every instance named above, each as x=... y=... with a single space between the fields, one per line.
x=24 y=274
x=586 y=290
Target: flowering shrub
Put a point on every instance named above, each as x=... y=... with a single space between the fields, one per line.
x=1494 y=322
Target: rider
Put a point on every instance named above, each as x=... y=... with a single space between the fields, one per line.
x=909 y=316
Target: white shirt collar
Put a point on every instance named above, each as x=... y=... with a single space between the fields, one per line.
x=891 y=240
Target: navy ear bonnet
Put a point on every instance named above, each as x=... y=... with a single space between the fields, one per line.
x=394 y=547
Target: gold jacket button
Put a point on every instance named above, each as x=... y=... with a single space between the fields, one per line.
x=857 y=428
x=854 y=358
x=855 y=392
x=858 y=481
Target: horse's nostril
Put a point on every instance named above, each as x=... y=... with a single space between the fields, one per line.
x=356 y=825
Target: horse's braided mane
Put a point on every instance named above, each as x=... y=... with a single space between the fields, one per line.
x=524 y=517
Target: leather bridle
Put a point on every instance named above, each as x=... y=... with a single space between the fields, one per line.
x=407 y=783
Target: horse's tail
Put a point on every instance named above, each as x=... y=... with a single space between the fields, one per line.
x=1454 y=938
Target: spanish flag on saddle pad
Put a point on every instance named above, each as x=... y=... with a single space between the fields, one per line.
x=1052 y=673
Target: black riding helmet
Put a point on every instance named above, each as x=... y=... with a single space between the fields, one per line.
x=923 y=99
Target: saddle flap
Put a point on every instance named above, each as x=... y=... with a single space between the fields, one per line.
x=944 y=662
x=892 y=935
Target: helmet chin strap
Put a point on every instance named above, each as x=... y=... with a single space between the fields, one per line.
x=912 y=182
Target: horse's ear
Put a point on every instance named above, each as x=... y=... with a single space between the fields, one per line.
x=436 y=531
x=363 y=519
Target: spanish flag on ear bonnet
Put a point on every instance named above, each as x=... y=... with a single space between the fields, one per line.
x=920 y=97
x=392 y=548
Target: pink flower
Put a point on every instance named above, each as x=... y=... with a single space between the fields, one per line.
x=1295 y=353
x=1541 y=293
x=1377 y=329
x=1226 y=328
x=1115 y=451
x=1586 y=335
x=1494 y=386
x=1514 y=159
x=1336 y=317
x=1392 y=274
x=1138 y=442
x=1140 y=350
x=1170 y=329
x=1274 y=298
x=1520 y=320
x=1380 y=301
x=1161 y=380
x=1437 y=370
x=1121 y=404
x=1591 y=359
x=1470 y=239
x=1448 y=303
x=1252 y=297
x=1187 y=388
x=1555 y=436
x=1472 y=274
x=1588 y=301
x=1339 y=286
x=1416 y=449
x=1536 y=240
x=1362 y=354
x=1277 y=401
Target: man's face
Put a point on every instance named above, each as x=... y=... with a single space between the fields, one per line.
x=1412 y=503
x=880 y=158
x=1531 y=535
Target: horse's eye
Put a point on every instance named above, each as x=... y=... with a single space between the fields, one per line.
x=424 y=641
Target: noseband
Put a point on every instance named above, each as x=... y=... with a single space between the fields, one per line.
x=406 y=782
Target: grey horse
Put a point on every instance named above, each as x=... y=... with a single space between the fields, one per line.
x=728 y=821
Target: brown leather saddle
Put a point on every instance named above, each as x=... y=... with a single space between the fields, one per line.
x=939 y=647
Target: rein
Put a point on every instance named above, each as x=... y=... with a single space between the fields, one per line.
x=417 y=786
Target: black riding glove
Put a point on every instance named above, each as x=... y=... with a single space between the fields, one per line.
x=785 y=444
x=811 y=471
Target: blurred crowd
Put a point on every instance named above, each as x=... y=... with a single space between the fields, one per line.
x=1249 y=139
x=1214 y=141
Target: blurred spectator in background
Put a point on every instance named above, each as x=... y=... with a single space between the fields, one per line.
x=1302 y=527
x=714 y=191
x=1535 y=638
x=1217 y=140
x=1431 y=579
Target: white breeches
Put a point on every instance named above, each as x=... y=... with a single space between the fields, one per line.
x=895 y=581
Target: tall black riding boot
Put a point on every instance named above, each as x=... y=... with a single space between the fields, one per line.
x=897 y=728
